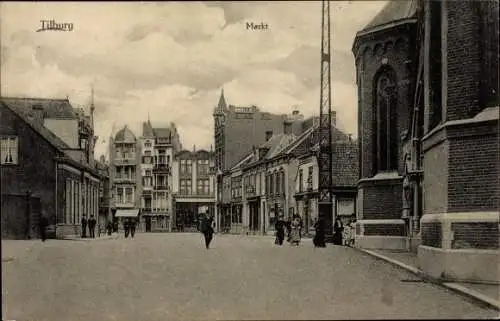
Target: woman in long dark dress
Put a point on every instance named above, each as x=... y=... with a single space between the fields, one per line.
x=319 y=237
x=338 y=229
x=280 y=230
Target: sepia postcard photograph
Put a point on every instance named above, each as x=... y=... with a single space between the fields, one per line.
x=249 y=160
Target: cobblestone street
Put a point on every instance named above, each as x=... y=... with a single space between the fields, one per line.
x=171 y=277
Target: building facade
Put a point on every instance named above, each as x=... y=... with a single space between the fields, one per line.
x=158 y=147
x=269 y=182
x=125 y=160
x=105 y=194
x=194 y=188
x=385 y=76
x=46 y=171
x=428 y=95
x=237 y=130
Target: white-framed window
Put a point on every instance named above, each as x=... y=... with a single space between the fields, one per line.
x=9 y=150
x=129 y=195
x=119 y=195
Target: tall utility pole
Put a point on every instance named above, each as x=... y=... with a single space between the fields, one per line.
x=325 y=202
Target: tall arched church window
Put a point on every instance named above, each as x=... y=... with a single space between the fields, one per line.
x=386 y=142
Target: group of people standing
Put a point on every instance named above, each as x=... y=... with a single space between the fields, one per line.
x=129 y=226
x=91 y=223
x=292 y=228
x=343 y=235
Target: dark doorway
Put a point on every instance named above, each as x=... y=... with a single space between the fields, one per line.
x=148 y=223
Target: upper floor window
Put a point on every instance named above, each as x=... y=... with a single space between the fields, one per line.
x=203 y=186
x=186 y=166
x=147 y=143
x=203 y=166
x=147 y=181
x=9 y=150
x=185 y=186
x=385 y=122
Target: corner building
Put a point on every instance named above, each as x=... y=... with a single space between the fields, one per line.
x=384 y=52
x=431 y=103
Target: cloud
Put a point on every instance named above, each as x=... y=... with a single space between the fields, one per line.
x=170 y=59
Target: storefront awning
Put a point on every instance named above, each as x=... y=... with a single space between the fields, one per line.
x=127 y=213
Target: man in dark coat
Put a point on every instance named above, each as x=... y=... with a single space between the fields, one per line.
x=126 y=227
x=92 y=223
x=132 y=225
x=207 y=229
x=338 y=229
x=319 y=237
x=280 y=230
x=84 y=226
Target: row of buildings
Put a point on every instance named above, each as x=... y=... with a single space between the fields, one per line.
x=158 y=182
x=428 y=119
x=266 y=167
x=165 y=186
x=48 y=168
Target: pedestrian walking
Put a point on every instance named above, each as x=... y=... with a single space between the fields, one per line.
x=338 y=228
x=92 y=223
x=295 y=232
x=84 y=226
x=126 y=227
x=133 y=223
x=207 y=229
x=44 y=223
x=280 y=230
x=319 y=236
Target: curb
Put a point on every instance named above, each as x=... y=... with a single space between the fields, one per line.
x=457 y=288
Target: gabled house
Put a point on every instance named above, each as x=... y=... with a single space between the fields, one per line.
x=41 y=171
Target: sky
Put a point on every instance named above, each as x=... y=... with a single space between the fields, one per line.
x=170 y=60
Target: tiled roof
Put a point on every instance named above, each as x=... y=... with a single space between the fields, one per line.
x=277 y=143
x=394 y=10
x=304 y=142
x=147 y=129
x=345 y=165
x=18 y=106
x=244 y=161
x=161 y=132
x=52 y=108
x=125 y=135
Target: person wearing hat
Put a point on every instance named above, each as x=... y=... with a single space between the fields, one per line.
x=280 y=230
x=207 y=229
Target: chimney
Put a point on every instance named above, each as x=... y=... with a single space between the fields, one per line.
x=269 y=134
